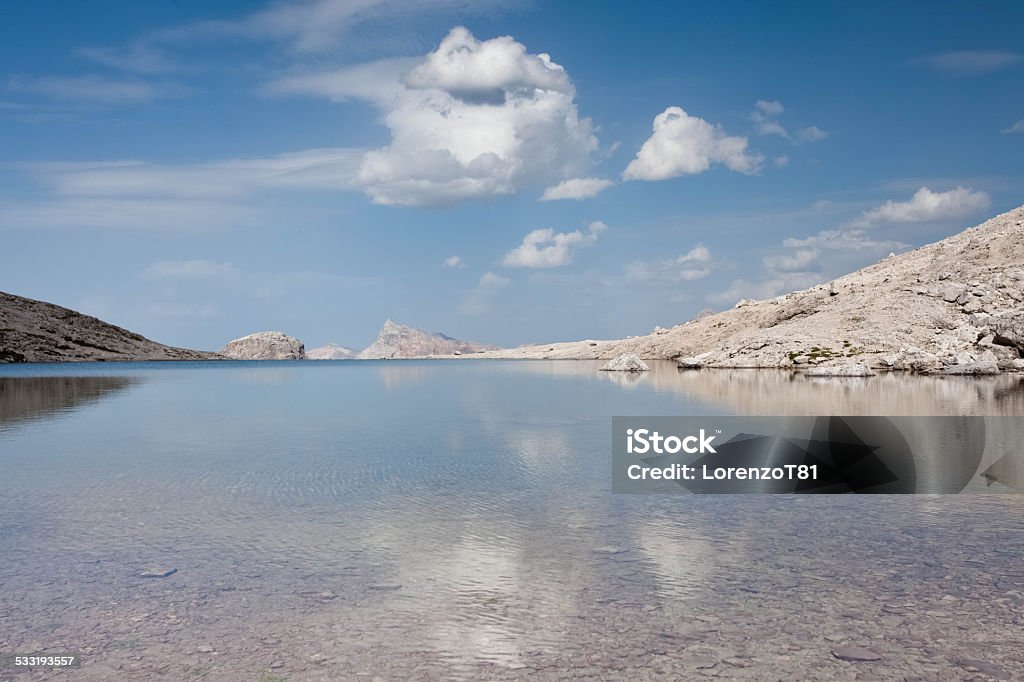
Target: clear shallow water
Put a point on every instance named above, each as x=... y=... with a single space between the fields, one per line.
x=454 y=519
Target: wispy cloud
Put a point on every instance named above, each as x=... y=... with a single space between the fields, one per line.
x=190 y=269
x=138 y=195
x=802 y=260
x=453 y=262
x=95 y=89
x=1017 y=127
x=766 y=115
x=139 y=57
x=963 y=63
x=693 y=265
x=811 y=134
x=306 y=29
x=479 y=300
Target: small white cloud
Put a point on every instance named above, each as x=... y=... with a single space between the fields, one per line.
x=770 y=127
x=769 y=108
x=549 y=249
x=801 y=260
x=189 y=269
x=453 y=262
x=1017 y=127
x=683 y=144
x=781 y=161
x=811 y=134
x=927 y=205
x=576 y=188
x=489 y=280
x=765 y=116
x=969 y=62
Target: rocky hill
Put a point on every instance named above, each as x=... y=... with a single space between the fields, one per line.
x=955 y=306
x=331 y=351
x=398 y=341
x=265 y=346
x=34 y=331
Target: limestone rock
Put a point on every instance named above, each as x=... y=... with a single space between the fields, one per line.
x=1009 y=330
x=331 y=351
x=399 y=341
x=849 y=369
x=972 y=369
x=694 y=361
x=951 y=292
x=265 y=346
x=627 y=362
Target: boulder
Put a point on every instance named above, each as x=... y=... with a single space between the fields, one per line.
x=265 y=346
x=971 y=369
x=695 y=361
x=951 y=292
x=849 y=369
x=627 y=362
x=1008 y=330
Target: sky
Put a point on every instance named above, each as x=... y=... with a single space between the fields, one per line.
x=505 y=172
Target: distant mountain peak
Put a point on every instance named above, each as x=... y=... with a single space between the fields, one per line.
x=331 y=351
x=396 y=340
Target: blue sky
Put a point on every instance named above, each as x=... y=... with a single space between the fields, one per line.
x=504 y=172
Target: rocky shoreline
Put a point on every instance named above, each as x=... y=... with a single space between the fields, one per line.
x=952 y=307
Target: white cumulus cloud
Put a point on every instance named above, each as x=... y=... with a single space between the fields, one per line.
x=473 y=119
x=576 y=188
x=927 y=205
x=684 y=144
x=549 y=249
x=453 y=262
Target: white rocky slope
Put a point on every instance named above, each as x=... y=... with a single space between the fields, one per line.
x=265 y=346
x=331 y=351
x=398 y=341
x=953 y=306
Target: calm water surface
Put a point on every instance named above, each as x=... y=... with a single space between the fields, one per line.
x=436 y=520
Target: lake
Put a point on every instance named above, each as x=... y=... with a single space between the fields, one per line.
x=455 y=520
